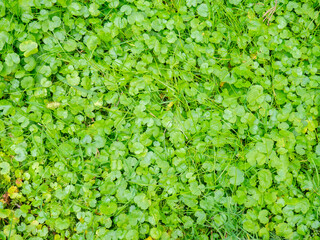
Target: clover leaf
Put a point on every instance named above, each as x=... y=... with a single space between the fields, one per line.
x=159 y=119
x=235 y=2
x=142 y=201
x=108 y=208
x=29 y=47
x=62 y=224
x=12 y=58
x=265 y=178
x=202 y=10
x=5 y=168
x=237 y=176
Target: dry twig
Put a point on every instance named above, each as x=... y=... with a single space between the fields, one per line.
x=268 y=14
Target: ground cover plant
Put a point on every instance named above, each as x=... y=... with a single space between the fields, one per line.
x=173 y=119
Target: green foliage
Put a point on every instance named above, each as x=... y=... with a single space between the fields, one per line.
x=28 y=47
x=162 y=120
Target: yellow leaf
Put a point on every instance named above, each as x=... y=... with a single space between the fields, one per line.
x=149 y=238
x=35 y=223
x=251 y=15
x=12 y=189
x=57 y=237
x=222 y=83
x=312 y=125
x=253 y=56
x=53 y=105
x=169 y=106
x=19 y=182
x=304 y=130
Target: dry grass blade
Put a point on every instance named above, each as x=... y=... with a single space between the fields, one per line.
x=268 y=14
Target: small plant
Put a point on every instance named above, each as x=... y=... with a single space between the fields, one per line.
x=180 y=120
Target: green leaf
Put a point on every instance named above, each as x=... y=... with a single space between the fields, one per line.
x=302 y=205
x=237 y=176
x=55 y=23
x=4 y=213
x=70 y=45
x=142 y=201
x=30 y=64
x=108 y=208
x=263 y=216
x=229 y=116
x=29 y=48
x=120 y=22
x=265 y=146
x=318 y=149
x=171 y=37
x=159 y=119
x=5 y=168
x=216 y=37
x=62 y=224
x=27 y=82
x=137 y=148
x=73 y=78
x=12 y=58
x=251 y=226
x=155 y=233
x=194 y=188
x=92 y=42
x=21 y=154
x=201 y=217
x=157 y=25
x=191 y=3
x=202 y=10
x=94 y=9
x=235 y=2
x=255 y=157
x=265 y=178
x=279 y=82
x=75 y=8
x=283 y=230
x=255 y=95
x=4 y=38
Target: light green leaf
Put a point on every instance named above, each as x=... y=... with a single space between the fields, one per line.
x=4 y=213
x=108 y=208
x=318 y=149
x=137 y=148
x=237 y=176
x=251 y=226
x=70 y=45
x=265 y=178
x=202 y=10
x=93 y=42
x=29 y=48
x=5 y=168
x=235 y=2
x=155 y=233
x=73 y=78
x=12 y=58
x=171 y=37
x=263 y=216
x=142 y=201
x=62 y=224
